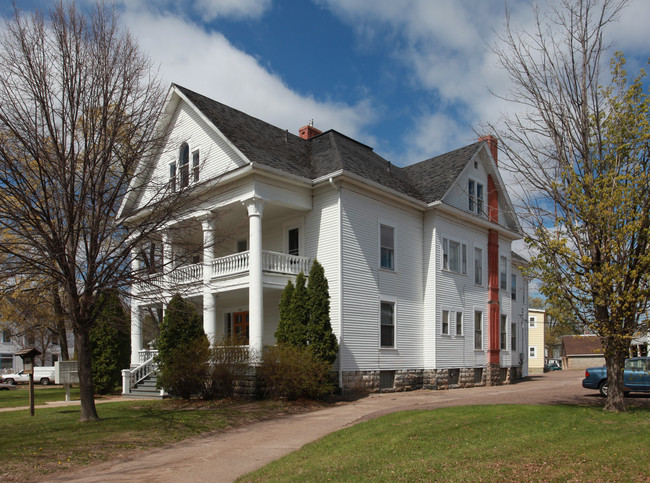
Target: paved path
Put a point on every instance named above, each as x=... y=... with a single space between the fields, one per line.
x=222 y=457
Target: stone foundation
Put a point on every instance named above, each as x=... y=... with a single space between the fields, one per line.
x=367 y=382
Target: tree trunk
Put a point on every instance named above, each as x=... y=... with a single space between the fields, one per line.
x=615 y=398
x=84 y=366
x=61 y=331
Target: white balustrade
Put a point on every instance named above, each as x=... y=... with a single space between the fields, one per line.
x=232 y=264
x=187 y=274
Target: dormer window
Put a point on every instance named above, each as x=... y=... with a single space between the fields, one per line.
x=184 y=165
x=475 y=192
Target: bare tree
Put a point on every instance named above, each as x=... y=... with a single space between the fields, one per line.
x=79 y=105
x=582 y=153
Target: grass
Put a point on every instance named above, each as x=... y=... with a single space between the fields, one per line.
x=54 y=439
x=478 y=443
x=20 y=397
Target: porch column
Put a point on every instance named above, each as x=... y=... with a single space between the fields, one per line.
x=136 y=326
x=136 y=334
x=167 y=257
x=209 y=300
x=255 y=207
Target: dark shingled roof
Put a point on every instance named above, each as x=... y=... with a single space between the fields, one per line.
x=434 y=176
x=330 y=152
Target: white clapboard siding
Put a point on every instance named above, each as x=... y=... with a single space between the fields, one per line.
x=458 y=292
x=322 y=242
x=458 y=195
x=365 y=284
x=216 y=156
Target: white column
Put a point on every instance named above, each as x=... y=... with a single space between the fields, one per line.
x=209 y=300
x=167 y=257
x=136 y=333
x=255 y=208
x=136 y=326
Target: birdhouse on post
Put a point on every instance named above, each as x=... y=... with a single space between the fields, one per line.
x=28 y=355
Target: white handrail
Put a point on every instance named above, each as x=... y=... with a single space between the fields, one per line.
x=131 y=377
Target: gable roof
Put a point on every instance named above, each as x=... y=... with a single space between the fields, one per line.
x=433 y=177
x=582 y=345
x=331 y=152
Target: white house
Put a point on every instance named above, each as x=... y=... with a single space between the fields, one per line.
x=425 y=290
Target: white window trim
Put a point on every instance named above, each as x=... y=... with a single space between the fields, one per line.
x=393 y=300
x=387 y=224
x=442 y=321
x=533 y=319
x=478 y=208
x=506 y=335
x=532 y=352
x=444 y=247
x=462 y=323
x=453 y=314
x=482 y=311
x=482 y=267
x=504 y=263
x=285 y=236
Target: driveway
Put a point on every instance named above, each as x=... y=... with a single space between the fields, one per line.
x=222 y=457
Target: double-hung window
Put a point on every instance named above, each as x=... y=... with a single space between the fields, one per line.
x=478 y=330
x=513 y=286
x=184 y=165
x=454 y=256
x=172 y=176
x=449 y=319
x=503 y=273
x=387 y=324
x=195 y=166
x=513 y=336
x=478 y=266
x=445 y=322
x=387 y=248
x=504 y=332
x=475 y=192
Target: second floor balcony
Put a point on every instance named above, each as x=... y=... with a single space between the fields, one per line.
x=227 y=266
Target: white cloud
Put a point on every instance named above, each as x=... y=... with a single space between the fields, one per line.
x=207 y=10
x=209 y=64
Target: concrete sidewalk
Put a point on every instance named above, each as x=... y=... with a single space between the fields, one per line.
x=222 y=457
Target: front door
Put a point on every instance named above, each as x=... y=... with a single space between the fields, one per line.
x=240 y=327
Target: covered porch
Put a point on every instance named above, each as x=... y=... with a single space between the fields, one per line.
x=232 y=263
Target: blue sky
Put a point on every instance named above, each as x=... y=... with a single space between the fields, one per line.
x=410 y=78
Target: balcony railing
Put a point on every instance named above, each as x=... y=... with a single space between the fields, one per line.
x=272 y=262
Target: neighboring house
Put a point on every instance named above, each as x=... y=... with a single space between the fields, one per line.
x=13 y=340
x=582 y=351
x=425 y=290
x=536 y=350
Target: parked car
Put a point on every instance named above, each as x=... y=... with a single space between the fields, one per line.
x=552 y=366
x=636 y=376
x=43 y=375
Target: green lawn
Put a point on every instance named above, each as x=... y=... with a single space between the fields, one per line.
x=54 y=439
x=20 y=397
x=479 y=443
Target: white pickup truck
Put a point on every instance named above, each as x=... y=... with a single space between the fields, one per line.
x=44 y=375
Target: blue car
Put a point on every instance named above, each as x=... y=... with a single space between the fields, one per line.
x=636 y=376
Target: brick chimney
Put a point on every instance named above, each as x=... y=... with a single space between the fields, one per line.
x=309 y=131
x=493 y=144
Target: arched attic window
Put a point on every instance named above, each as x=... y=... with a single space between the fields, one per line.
x=184 y=165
